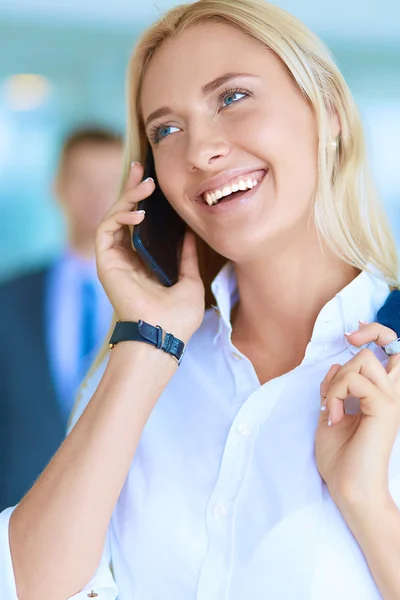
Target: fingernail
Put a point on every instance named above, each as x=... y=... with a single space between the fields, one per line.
x=329 y=422
x=148 y=179
x=140 y=212
x=133 y=164
x=350 y=332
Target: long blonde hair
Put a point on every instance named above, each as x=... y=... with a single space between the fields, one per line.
x=347 y=211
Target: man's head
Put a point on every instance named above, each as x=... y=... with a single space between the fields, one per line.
x=88 y=179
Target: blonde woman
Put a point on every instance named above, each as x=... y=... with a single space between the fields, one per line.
x=222 y=478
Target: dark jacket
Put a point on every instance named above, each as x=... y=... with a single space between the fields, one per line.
x=31 y=422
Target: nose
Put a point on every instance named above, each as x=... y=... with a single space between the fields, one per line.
x=206 y=147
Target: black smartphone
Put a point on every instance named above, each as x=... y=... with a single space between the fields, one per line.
x=159 y=237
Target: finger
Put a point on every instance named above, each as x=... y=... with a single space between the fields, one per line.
x=133 y=180
x=381 y=335
x=132 y=197
x=393 y=369
x=365 y=364
x=372 y=399
x=113 y=224
x=189 y=266
x=371 y=332
x=326 y=382
x=135 y=176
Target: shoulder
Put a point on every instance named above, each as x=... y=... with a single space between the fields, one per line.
x=389 y=313
x=22 y=283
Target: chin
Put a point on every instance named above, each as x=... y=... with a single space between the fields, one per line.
x=240 y=251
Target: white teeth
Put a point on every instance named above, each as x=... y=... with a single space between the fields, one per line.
x=242 y=185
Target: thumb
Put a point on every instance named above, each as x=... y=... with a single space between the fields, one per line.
x=324 y=388
x=189 y=266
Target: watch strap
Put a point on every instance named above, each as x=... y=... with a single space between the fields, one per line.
x=144 y=332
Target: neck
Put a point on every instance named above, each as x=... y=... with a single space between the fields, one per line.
x=81 y=244
x=281 y=295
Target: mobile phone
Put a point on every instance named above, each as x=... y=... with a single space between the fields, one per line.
x=159 y=237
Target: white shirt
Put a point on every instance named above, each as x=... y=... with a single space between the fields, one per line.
x=63 y=313
x=223 y=500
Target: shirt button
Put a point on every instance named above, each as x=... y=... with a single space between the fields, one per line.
x=92 y=594
x=220 y=510
x=243 y=430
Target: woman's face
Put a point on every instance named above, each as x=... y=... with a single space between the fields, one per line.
x=221 y=113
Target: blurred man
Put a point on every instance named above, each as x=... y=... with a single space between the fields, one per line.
x=54 y=320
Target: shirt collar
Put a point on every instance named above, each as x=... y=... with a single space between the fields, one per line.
x=225 y=290
x=360 y=300
x=74 y=267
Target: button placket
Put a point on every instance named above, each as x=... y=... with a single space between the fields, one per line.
x=220 y=510
x=243 y=430
x=242 y=371
x=222 y=505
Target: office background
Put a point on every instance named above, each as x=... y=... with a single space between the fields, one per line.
x=62 y=64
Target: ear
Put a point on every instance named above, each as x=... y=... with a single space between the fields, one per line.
x=334 y=124
x=56 y=189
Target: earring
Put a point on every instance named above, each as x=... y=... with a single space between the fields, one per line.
x=334 y=145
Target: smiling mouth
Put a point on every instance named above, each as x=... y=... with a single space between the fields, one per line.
x=232 y=189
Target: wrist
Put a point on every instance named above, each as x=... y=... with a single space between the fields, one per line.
x=144 y=332
x=133 y=351
x=366 y=511
x=178 y=329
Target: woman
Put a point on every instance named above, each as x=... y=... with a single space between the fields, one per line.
x=223 y=478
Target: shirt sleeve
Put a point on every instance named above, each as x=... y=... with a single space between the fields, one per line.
x=101 y=586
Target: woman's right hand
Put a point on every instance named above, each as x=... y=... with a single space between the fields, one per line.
x=133 y=291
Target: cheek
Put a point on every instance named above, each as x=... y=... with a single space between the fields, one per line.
x=167 y=178
x=291 y=145
x=172 y=182
x=171 y=179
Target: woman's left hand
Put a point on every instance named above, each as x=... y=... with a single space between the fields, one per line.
x=353 y=451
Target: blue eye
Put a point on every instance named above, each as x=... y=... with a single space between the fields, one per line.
x=164 y=131
x=232 y=97
x=159 y=133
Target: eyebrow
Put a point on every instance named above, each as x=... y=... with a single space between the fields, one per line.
x=206 y=90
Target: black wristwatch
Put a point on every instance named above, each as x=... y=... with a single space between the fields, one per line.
x=144 y=332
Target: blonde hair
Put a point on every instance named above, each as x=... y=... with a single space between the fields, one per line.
x=346 y=210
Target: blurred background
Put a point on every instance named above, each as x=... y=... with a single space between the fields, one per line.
x=62 y=64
